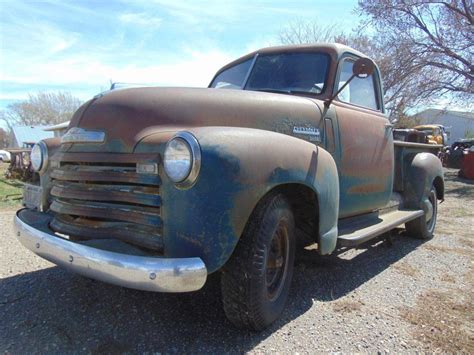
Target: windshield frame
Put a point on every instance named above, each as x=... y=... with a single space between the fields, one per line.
x=252 y=66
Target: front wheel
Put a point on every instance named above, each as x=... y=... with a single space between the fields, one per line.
x=256 y=280
x=424 y=226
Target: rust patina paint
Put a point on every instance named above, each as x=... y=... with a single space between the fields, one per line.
x=243 y=155
x=248 y=148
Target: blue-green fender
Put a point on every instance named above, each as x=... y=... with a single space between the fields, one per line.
x=239 y=167
x=422 y=172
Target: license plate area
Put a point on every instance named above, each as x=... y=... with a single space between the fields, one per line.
x=32 y=196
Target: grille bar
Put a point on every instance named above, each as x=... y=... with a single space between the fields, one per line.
x=143 y=195
x=99 y=200
x=95 y=174
x=108 y=211
x=83 y=229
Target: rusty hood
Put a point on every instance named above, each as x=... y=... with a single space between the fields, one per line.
x=129 y=115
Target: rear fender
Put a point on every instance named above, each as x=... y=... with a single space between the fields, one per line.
x=422 y=172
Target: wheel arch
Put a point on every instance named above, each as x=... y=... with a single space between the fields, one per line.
x=423 y=171
x=239 y=167
x=304 y=202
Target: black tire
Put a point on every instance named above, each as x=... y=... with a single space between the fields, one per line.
x=256 y=280
x=424 y=226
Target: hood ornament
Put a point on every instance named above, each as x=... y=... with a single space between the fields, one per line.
x=81 y=135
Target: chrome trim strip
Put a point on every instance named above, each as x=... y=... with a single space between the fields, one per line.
x=137 y=272
x=80 y=135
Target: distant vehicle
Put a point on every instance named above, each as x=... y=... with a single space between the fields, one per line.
x=467 y=164
x=5 y=156
x=435 y=133
x=409 y=135
x=455 y=153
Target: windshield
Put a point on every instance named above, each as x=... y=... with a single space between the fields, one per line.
x=426 y=129
x=283 y=72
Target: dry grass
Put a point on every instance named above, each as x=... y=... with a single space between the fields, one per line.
x=347 y=306
x=10 y=190
x=444 y=321
x=468 y=243
x=444 y=249
x=448 y=278
x=406 y=269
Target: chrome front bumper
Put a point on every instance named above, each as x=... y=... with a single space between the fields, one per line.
x=138 y=272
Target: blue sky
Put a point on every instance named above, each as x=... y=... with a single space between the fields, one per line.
x=80 y=46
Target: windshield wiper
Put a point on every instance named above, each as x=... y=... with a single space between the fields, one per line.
x=301 y=92
x=277 y=91
x=282 y=91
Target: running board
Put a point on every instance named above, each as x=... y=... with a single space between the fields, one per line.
x=358 y=230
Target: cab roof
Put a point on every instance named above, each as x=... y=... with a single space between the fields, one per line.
x=336 y=50
x=428 y=126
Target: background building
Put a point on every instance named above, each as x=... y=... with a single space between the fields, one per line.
x=27 y=136
x=458 y=124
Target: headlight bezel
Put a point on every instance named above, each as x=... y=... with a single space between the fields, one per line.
x=195 y=151
x=44 y=157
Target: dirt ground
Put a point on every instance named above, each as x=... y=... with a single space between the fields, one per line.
x=408 y=295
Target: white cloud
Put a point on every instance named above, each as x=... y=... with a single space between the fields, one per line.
x=57 y=45
x=140 y=19
x=195 y=68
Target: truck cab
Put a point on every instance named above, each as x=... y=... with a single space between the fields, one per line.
x=155 y=188
x=435 y=133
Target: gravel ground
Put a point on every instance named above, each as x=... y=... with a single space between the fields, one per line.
x=408 y=295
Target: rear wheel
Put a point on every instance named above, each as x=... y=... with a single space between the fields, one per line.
x=424 y=226
x=256 y=280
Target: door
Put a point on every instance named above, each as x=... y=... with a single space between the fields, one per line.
x=366 y=159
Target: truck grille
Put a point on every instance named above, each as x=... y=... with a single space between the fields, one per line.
x=103 y=200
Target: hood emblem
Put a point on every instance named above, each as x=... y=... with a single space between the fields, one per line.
x=81 y=135
x=312 y=132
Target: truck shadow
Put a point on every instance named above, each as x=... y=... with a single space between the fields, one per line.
x=53 y=310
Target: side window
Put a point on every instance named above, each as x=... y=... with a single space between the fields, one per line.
x=232 y=78
x=360 y=91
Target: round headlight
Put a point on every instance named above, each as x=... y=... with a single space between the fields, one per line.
x=39 y=157
x=182 y=159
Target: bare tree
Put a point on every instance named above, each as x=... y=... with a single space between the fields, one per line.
x=424 y=49
x=432 y=40
x=43 y=108
x=398 y=95
x=301 y=32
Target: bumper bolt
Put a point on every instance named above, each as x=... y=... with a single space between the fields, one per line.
x=18 y=234
x=37 y=245
x=152 y=276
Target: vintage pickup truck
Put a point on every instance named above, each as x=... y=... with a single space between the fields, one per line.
x=156 y=188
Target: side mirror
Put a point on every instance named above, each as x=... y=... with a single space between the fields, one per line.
x=363 y=67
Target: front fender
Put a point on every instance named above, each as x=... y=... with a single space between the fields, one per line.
x=239 y=166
